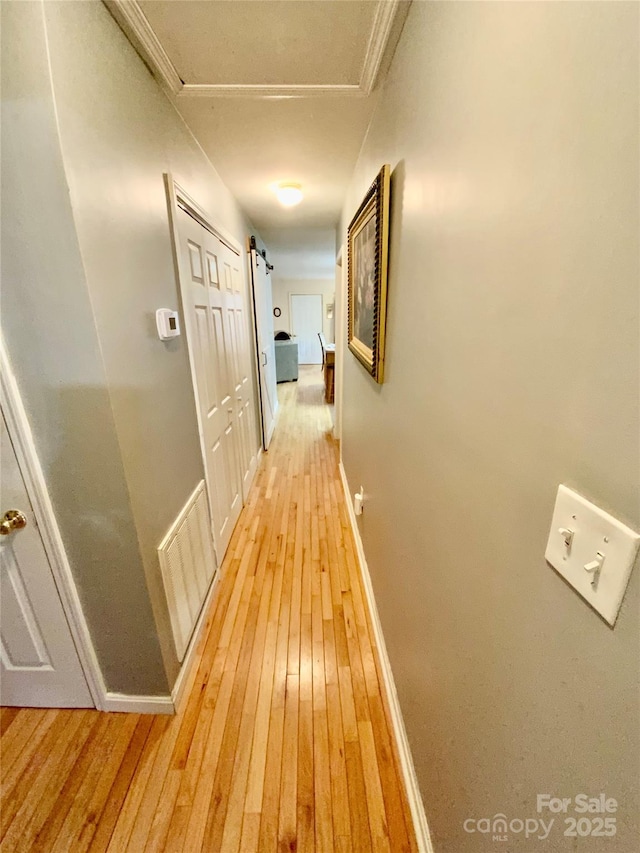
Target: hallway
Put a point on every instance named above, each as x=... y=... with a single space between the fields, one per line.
x=283 y=743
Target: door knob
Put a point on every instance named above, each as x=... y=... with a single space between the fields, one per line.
x=12 y=520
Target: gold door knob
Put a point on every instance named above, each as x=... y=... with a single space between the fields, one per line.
x=12 y=520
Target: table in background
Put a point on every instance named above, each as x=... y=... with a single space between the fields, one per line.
x=329 y=372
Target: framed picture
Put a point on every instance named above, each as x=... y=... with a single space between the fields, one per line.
x=368 y=248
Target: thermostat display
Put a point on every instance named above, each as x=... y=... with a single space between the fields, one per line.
x=168 y=324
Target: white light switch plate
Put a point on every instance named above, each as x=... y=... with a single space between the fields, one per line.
x=594 y=532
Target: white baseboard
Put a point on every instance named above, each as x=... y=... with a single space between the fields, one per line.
x=127 y=704
x=137 y=704
x=177 y=694
x=406 y=761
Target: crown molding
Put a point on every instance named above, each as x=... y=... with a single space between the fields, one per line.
x=378 y=39
x=133 y=21
x=129 y=15
x=241 y=90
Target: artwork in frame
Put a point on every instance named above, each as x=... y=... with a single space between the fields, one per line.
x=368 y=248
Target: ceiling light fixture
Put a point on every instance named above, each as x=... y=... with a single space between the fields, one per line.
x=289 y=194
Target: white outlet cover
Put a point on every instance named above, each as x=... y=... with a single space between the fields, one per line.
x=594 y=530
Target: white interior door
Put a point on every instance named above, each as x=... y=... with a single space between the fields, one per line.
x=306 y=323
x=263 y=307
x=210 y=307
x=240 y=365
x=39 y=662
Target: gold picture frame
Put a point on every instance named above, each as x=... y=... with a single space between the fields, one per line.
x=367 y=253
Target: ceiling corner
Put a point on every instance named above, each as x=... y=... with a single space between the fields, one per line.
x=132 y=20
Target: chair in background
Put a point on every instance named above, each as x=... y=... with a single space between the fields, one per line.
x=323 y=344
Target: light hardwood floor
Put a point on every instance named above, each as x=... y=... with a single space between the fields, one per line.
x=284 y=742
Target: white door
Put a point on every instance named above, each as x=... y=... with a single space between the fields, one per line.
x=40 y=665
x=263 y=308
x=240 y=365
x=209 y=307
x=306 y=323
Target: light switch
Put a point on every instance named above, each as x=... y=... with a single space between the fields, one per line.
x=592 y=550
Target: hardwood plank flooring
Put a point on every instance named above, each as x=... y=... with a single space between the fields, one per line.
x=283 y=742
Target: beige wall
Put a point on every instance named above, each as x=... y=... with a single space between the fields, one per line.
x=118 y=134
x=512 y=342
x=48 y=324
x=284 y=287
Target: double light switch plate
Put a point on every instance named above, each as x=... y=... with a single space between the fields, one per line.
x=592 y=550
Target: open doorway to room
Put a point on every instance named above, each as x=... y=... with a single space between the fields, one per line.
x=304 y=302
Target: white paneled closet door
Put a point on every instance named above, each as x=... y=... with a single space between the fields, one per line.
x=214 y=317
x=241 y=370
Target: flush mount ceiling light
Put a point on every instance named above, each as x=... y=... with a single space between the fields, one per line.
x=289 y=194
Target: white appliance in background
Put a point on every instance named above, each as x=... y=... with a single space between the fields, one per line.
x=306 y=323
x=265 y=348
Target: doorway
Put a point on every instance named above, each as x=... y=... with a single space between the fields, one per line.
x=213 y=288
x=306 y=324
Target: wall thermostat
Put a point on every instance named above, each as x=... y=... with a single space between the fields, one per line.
x=168 y=323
